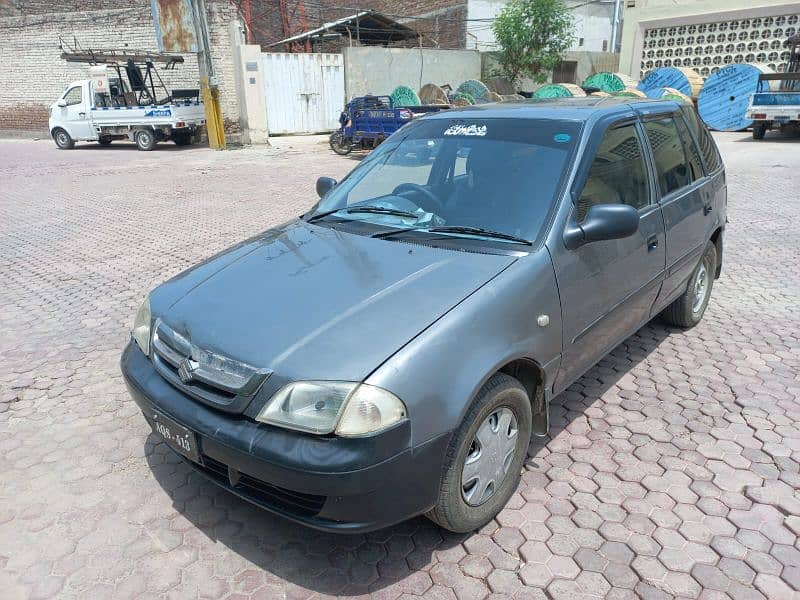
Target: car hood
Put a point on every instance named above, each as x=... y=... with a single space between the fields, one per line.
x=312 y=302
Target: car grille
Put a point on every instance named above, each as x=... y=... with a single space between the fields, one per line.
x=260 y=492
x=213 y=379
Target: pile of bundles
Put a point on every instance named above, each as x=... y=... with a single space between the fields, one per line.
x=471 y=91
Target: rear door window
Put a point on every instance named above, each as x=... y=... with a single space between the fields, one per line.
x=617 y=174
x=672 y=170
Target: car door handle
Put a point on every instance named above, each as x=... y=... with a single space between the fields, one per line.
x=81 y=114
x=707 y=208
x=652 y=243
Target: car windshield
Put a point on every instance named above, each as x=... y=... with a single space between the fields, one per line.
x=459 y=176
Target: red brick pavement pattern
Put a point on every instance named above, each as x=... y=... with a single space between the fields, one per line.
x=671 y=471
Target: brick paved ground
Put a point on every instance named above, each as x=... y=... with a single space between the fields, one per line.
x=672 y=469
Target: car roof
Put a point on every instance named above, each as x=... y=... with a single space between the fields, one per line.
x=574 y=109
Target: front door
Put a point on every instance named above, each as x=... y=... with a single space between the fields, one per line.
x=75 y=115
x=607 y=288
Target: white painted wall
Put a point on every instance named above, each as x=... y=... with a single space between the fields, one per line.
x=373 y=70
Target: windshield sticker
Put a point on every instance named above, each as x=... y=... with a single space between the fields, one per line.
x=478 y=130
x=562 y=137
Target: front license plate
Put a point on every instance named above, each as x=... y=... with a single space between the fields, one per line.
x=181 y=439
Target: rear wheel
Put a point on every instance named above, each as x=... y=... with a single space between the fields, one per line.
x=339 y=144
x=182 y=139
x=63 y=139
x=145 y=139
x=484 y=460
x=689 y=308
x=759 y=130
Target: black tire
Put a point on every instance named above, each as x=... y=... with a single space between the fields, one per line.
x=452 y=511
x=687 y=310
x=105 y=140
x=63 y=139
x=759 y=131
x=182 y=139
x=339 y=144
x=145 y=139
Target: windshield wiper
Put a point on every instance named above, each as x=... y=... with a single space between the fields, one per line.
x=382 y=210
x=478 y=231
x=379 y=210
x=481 y=232
x=317 y=216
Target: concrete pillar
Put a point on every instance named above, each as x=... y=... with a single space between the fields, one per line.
x=249 y=76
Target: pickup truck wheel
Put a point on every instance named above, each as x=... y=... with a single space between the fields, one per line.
x=759 y=131
x=145 y=139
x=63 y=139
x=104 y=140
x=483 y=464
x=688 y=309
x=182 y=139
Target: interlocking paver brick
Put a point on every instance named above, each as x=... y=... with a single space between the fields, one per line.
x=670 y=470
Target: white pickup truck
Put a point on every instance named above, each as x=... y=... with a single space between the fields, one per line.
x=84 y=113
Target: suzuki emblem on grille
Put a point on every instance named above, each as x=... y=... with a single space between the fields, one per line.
x=186 y=369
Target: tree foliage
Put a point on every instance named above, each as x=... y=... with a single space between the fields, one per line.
x=533 y=35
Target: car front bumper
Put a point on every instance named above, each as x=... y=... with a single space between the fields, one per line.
x=329 y=483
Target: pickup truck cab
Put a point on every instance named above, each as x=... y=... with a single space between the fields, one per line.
x=390 y=353
x=82 y=113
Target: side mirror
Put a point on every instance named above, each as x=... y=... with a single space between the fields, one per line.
x=325 y=185
x=603 y=222
x=62 y=103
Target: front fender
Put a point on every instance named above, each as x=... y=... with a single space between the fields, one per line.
x=440 y=371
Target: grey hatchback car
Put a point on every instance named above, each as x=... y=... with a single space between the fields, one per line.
x=391 y=352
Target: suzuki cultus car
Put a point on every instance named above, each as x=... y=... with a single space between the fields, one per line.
x=391 y=352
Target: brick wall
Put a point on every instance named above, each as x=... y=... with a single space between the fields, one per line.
x=441 y=22
x=32 y=74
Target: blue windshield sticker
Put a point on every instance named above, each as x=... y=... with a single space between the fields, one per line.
x=562 y=137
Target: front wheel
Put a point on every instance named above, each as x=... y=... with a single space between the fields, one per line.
x=63 y=139
x=689 y=308
x=339 y=144
x=145 y=139
x=484 y=460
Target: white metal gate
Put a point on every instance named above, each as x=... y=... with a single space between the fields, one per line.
x=304 y=92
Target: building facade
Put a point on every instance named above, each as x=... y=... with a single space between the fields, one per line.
x=706 y=34
x=594 y=24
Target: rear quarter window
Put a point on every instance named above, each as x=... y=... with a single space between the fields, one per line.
x=708 y=149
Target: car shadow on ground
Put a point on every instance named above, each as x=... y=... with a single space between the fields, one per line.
x=783 y=137
x=126 y=146
x=361 y=563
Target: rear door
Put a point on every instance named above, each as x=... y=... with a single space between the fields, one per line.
x=75 y=115
x=608 y=288
x=680 y=179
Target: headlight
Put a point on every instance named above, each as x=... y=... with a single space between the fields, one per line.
x=321 y=407
x=141 y=327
